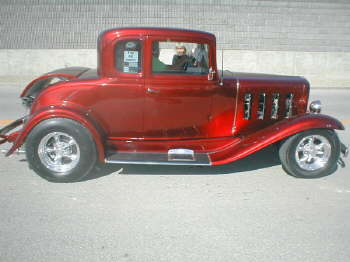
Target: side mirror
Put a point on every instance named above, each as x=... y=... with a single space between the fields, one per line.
x=211 y=74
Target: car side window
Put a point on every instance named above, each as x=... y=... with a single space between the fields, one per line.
x=128 y=56
x=189 y=58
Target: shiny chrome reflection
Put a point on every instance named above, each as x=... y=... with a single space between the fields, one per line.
x=247 y=105
x=59 y=152
x=274 y=109
x=313 y=152
x=315 y=107
x=289 y=105
x=181 y=154
x=261 y=108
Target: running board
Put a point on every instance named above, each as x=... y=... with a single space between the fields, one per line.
x=199 y=159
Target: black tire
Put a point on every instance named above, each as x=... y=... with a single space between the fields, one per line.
x=288 y=154
x=83 y=145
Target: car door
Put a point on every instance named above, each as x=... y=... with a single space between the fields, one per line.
x=121 y=96
x=177 y=100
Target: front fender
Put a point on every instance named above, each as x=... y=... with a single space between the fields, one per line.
x=255 y=141
x=60 y=112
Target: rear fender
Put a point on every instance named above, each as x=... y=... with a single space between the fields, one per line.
x=60 y=112
x=43 y=81
x=253 y=142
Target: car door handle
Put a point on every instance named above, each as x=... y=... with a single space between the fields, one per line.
x=153 y=91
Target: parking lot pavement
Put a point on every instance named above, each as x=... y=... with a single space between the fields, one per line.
x=249 y=210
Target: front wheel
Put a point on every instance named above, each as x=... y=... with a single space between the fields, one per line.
x=310 y=154
x=61 y=150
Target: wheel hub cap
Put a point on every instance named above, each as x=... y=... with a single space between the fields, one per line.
x=59 y=152
x=313 y=152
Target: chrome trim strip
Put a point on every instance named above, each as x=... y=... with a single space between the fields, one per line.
x=236 y=107
x=173 y=163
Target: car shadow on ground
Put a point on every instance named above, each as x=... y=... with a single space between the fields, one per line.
x=264 y=158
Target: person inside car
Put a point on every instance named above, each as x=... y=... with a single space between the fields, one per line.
x=200 y=56
x=180 y=60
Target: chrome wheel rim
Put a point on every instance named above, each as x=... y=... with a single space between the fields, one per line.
x=313 y=152
x=59 y=152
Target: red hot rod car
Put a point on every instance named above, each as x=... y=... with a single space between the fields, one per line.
x=157 y=98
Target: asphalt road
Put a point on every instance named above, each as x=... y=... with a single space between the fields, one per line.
x=245 y=211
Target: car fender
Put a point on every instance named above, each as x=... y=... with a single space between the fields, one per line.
x=84 y=118
x=41 y=82
x=250 y=143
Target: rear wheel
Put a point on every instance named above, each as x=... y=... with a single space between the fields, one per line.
x=61 y=150
x=310 y=154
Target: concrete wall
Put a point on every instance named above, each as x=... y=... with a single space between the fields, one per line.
x=303 y=37
x=322 y=69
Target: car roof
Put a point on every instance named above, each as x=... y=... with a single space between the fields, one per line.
x=158 y=31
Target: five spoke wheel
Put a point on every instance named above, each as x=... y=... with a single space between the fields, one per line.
x=59 y=152
x=313 y=152
x=310 y=154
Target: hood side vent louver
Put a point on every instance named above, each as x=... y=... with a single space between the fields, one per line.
x=247 y=105
x=274 y=109
x=261 y=108
x=289 y=105
x=279 y=107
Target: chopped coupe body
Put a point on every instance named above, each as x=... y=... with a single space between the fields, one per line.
x=143 y=106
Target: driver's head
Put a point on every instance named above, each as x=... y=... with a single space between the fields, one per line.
x=180 y=49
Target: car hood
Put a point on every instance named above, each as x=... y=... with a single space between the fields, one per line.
x=262 y=77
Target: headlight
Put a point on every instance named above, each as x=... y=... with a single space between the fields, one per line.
x=315 y=107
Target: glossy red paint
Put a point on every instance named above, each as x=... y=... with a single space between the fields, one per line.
x=13 y=137
x=198 y=145
x=267 y=84
x=147 y=112
x=257 y=140
x=49 y=75
x=61 y=111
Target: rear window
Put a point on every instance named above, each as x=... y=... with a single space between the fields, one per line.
x=128 y=56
